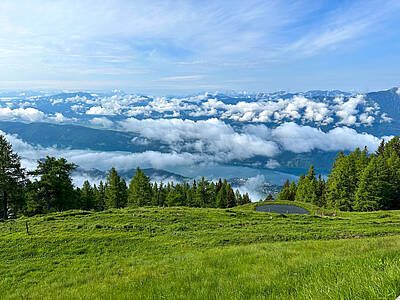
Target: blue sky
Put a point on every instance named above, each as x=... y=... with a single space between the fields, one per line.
x=181 y=47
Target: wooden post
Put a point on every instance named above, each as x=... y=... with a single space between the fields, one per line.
x=27 y=228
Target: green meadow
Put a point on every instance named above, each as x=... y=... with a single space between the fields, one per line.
x=196 y=253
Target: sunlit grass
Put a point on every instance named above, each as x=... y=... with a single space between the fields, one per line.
x=184 y=253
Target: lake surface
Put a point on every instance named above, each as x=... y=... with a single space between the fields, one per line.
x=212 y=172
x=282 y=209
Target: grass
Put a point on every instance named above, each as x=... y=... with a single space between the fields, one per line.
x=189 y=253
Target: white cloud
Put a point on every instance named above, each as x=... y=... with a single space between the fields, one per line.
x=347 y=110
x=253 y=186
x=59 y=118
x=90 y=159
x=98 y=110
x=208 y=136
x=386 y=118
x=366 y=119
x=272 y=164
x=103 y=122
x=298 y=139
x=27 y=114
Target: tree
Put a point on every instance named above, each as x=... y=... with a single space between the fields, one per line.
x=12 y=175
x=201 y=193
x=87 y=196
x=230 y=197
x=99 y=196
x=221 y=201
x=113 y=193
x=246 y=198
x=269 y=197
x=376 y=188
x=342 y=183
x=139 y=193
x=55 y=183
x=284 y=194
x=292 y=191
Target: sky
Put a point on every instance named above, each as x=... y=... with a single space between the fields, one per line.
x=182 y=47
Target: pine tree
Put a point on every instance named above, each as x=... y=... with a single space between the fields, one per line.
x=292 y=191
x=285 y=194
x=12 y=175
x=239 y=198
x=381 y=148
x=123 y=193
x=246 y=198
x=222 y=196
x=139 y=189
x=201 y=196
x=113 y=195
x=87 y=196
x=269 y=197
x=342 y=182
x=376 y=187
x=55 y=183
x=99 y=196
x=230 y=197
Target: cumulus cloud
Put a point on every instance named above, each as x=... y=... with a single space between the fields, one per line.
x=211 y=136
x=102 y=121
x=27 y=114
x=98 y=110
x=215 y=137
x=102 y=160
x=59 y=118
x=272 y=164
x=386 y=118
x=299 y=139
x=347 y=110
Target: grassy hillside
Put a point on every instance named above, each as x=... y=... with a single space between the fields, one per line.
x=189 y=253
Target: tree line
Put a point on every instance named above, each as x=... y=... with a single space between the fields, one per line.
x=358 y=181
x=49 y=188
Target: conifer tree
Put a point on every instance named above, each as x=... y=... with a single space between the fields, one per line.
x=12 y=175
x=292 y=191
x=87 y=196
x=201 y=196
x=113 y=195
x=246 y=198
x=239 y=198
x=285 y=193
x=139 y=189
x=269 y=197
x=222 y=195
x=55 y=183
x=230 y=197
x=99 y=196
x=376 y=188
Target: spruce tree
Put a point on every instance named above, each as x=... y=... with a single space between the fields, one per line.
x=87 y=196
x=285 y=194
x=201 y=193
x=230 y=197
x=139 y=189
x=113 y=195
x=55 y=183
x=376 y=187
x=12 y=175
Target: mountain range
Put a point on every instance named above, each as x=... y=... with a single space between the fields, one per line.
x=230 y=134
